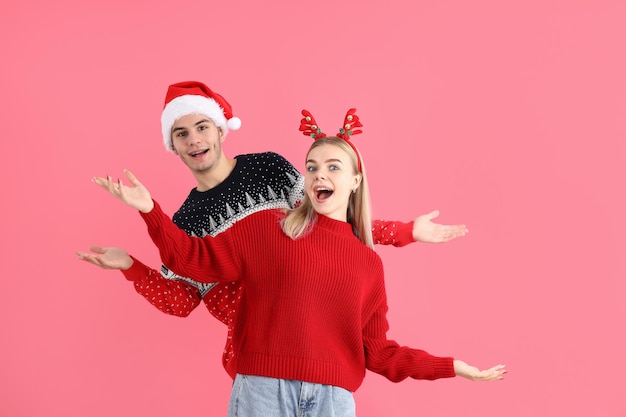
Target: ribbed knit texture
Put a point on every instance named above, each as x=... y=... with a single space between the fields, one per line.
x=313 y=308
x=259 y=181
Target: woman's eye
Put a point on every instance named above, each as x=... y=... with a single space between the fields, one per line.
x=333 y=167
x=310 y=168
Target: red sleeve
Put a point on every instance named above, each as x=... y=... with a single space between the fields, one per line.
x=392 y=233
x=389 y=359
x=205 y=260
x=176 y=298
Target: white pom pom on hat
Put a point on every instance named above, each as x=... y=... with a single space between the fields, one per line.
x=193 y=97
x=234 y=123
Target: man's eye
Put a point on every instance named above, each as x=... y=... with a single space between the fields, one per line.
x=181 y=134
x=202 y=127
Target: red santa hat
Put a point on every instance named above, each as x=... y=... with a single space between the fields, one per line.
x=193 y=97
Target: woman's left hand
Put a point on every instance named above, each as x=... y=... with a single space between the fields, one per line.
x=471 y=372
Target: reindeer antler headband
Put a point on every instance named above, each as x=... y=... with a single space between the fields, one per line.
x=309 y=127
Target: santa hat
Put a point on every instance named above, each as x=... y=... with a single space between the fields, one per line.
x=192 y=97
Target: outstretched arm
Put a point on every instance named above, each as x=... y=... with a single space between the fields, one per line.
x=176 y=298
x=206 y=260
x=172 y=297
x=396 y=362
x=422 y=229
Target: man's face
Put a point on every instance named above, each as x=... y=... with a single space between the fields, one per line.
x=197 y=141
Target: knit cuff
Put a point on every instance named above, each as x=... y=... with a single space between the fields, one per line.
x=443 y=367
x=136 y=272
x=153 y=218
x=405 y=234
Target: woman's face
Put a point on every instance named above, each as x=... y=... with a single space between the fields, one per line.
x=329 y=180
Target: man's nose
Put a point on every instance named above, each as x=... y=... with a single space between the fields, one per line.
x=193 y=137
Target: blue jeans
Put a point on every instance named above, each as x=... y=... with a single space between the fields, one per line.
x=259 y=396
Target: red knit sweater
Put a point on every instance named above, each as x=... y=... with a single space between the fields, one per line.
x=313 y=308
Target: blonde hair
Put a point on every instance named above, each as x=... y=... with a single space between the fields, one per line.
x=300 y=220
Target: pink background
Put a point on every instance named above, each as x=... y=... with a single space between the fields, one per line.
x=505 y=115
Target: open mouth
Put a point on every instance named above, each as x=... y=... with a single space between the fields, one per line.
x=322 y=193
x=198 y=153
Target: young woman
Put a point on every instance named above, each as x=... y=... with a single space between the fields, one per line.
x=313 y=316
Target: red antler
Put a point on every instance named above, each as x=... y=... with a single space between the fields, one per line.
x=349 y=123
x=309 y=127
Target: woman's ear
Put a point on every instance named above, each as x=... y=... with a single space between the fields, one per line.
x=357 y=182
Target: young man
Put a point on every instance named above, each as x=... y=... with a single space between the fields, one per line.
x=195 y=122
